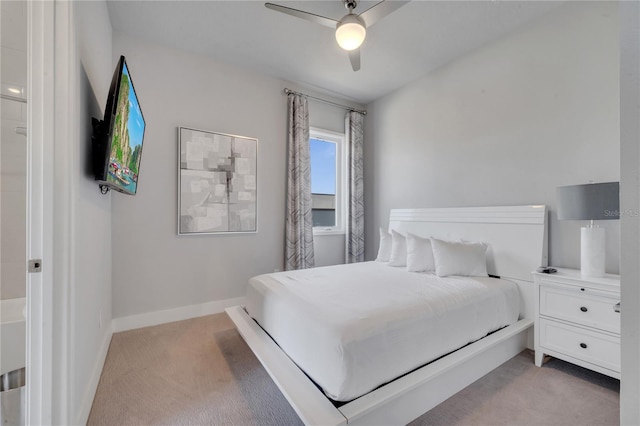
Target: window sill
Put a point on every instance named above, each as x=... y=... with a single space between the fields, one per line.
x=320 y=232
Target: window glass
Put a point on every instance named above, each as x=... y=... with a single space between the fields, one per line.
x=323 y=182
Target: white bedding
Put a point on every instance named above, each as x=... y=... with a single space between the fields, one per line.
x=352 y=328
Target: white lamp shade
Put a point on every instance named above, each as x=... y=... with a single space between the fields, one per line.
x=350 y=32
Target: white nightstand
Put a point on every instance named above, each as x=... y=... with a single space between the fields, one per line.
x=577 y=320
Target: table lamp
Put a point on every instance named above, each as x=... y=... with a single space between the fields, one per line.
x=592 y=201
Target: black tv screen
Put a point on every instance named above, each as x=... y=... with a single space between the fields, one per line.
x=118 y=147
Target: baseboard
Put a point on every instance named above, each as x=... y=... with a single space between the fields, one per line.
x=87 y=402
x=176 y=314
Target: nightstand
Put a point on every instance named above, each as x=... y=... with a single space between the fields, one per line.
x=577 y=320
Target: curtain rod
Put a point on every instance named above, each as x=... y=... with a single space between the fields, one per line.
x=289 y=92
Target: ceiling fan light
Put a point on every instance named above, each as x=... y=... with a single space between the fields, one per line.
x=350 y=32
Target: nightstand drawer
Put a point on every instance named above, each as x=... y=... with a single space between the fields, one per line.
x=581 y=308
x=596 y=348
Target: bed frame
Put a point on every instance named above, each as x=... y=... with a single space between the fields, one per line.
x=517 y=239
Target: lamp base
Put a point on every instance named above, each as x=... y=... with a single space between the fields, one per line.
x=592 y=252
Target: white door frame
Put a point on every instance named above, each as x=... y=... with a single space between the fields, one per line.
x=40 y=107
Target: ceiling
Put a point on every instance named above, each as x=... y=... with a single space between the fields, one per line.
x=405 y=45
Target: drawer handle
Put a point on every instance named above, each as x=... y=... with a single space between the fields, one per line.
x=583 y=345
x=584 y=309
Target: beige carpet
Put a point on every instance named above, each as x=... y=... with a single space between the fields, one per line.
x=200 y=372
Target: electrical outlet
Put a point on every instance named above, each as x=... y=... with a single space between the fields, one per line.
x=276 y=270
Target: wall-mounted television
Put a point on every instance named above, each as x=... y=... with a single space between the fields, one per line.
x=117 y=140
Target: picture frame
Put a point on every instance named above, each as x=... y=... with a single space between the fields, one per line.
x=217 y=183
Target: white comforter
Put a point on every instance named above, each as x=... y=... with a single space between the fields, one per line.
x=352 y=328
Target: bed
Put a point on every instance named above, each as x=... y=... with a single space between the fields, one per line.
x=322 y=341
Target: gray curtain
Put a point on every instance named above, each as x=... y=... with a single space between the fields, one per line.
x=354 y=127
x=299 y=222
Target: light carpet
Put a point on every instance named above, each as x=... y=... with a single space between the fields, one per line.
x=200 y=372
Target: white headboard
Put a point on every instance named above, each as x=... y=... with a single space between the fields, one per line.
x=516 y=235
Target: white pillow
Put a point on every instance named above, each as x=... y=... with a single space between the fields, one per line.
x=459 y=258
x=398 y=249
x=384 y=251
x=419 y=254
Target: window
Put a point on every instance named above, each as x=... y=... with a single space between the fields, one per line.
x=327 y=169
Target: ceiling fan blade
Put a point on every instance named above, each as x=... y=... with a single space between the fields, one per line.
x=327 y=22
x=380 y=10
x=354 y=57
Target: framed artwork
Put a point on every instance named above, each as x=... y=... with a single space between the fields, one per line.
x=217 y=182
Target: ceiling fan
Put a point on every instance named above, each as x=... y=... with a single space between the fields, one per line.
x=351 y=29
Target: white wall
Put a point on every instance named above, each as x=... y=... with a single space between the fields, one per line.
x=82 y=216
x=505 y=125
x=630 y=205
x=153 y=268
